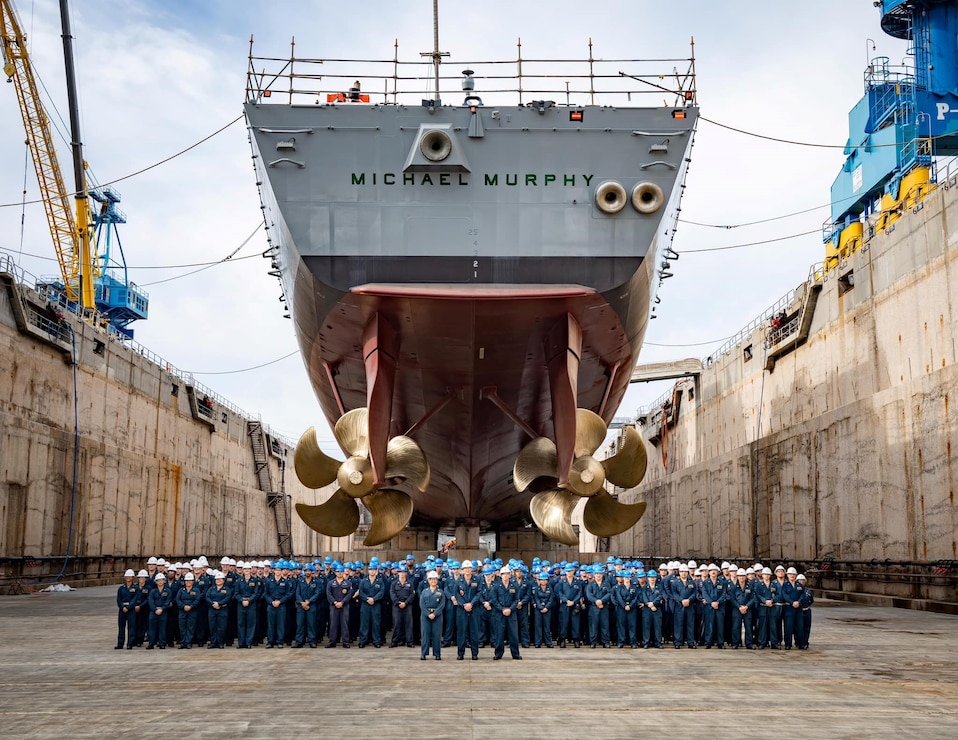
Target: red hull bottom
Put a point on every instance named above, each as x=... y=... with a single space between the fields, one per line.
x=458 y=347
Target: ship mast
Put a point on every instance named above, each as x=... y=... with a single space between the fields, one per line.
x=435 y=54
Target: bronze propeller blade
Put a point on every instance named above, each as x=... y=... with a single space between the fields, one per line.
x=535 y=460
x=552 y=513
x=313 y=467
x=352 y=432
x=590 y=432
x=391 y=511
x=604 y=516
x=627 y=467
x=337 y=517
x=405 y=459
x=587 y=476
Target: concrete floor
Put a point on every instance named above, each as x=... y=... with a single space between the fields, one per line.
x=871 y=672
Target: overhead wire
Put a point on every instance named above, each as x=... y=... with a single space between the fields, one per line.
x=227 y=258
x=245 y=369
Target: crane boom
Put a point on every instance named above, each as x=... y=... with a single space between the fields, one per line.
x=71 y=235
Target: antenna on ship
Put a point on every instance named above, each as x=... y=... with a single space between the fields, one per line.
x=435 y=54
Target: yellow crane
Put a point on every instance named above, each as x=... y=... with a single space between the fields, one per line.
x=71 y=234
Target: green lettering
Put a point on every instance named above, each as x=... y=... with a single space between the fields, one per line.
x=548 y=179
x=515 y=180
x=444 y=178
x=389 y=178
x=426 y=179
x=531 y=180
x=493 y=180
x=588 y=179
x=461 y=181
x=568 y=180
x=360 y=179
x=408 y=178
x=374 y=178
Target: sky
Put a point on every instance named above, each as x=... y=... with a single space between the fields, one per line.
x=156 y=77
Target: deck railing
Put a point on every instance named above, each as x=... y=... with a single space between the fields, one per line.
x=573 y=82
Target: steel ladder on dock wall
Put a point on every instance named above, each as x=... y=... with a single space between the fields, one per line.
x=275 y=499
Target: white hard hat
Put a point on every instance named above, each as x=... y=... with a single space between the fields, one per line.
x=161 y=576
x=791 y=572
x=129 y=573
x=432 y=574
x=725 y=565
x=766 y=571
x=466 y=563
x=224 y=560
x=142 y=574
x=505 y=569
x=714 y=567
x=748 y=572
x=189 y=577
x=693 y=564
x=801 y=577
x=683 y=568
x=152 y=560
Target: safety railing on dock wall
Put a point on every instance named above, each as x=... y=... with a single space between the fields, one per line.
x=99 y=323
x=390 y=81
x=763 y=319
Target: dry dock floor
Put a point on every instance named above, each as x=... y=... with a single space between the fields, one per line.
x=871 y=672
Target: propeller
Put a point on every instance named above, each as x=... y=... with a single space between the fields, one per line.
x=604 y=516
x=339 y=515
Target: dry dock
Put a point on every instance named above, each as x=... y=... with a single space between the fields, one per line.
x=872 y=672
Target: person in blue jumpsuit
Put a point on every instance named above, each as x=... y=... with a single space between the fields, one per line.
x=447 y=582
x=159 y=601
x=654 y=600
x=522 y=608
x=766 y=609
x=339 y=594
x=779 y=609
x=627 y=598
x=598 y=596
x=807 y=599
x=486 y=622
x=142 y=607
x=218 y=598
x=714 y=595
x=188 y=599
x=277 y=591
x=465 y=597
x=307 y=607
x=569 y=594
x=402 y=593
x=246 y=595
x=372 y=590
x=432 y=602
x=683 y=606
x=791 y=593
x=744 y=604
x=543 y=601
x=504 y=598
x=126 y=596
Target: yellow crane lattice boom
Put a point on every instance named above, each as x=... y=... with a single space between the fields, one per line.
x=72 y=246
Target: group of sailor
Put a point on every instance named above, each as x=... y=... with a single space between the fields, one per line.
x=444 y=603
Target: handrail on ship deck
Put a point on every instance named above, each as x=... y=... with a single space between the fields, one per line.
x=102 y=325
x=409 y=82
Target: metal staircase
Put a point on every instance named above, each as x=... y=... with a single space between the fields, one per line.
x=275 y=499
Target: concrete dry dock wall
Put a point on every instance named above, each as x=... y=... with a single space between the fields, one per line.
x=151 y=479
x=842 y=449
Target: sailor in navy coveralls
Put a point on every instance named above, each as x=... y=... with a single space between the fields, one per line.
x=126 y=596
x=339 y=593
x=432 y=601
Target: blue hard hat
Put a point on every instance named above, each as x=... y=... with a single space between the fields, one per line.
x=598 y=569
x=488 y=569
x=339 y=567
x=610 y=559
x=328 y=560
x=639 y=564
x=570 y=568
x=651 y=573
x=311 y=568
x=621 y=574
x=410 y=556
x=640 y=574
x=618 y=561
x=486 y=561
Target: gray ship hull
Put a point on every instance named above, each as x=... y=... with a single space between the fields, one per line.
x=471 y=263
